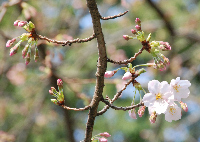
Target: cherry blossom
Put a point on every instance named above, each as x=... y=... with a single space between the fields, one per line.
x=159 y=97
x=180 y=88
x=173 y=113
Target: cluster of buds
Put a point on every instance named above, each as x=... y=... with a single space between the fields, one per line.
x=26 y=52
x=59 y=95
x=159 y=59
x=137 y=32
x=101 y=137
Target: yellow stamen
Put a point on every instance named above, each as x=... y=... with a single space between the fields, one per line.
x=176 y=87
x=172 y=110
x=158 y=96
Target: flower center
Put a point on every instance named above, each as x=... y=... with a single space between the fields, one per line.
x=176 y=87
x=172 y=110
x=158 y=96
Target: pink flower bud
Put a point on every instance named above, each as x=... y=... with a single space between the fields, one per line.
x=141 y=111
x=133 y=31
x=109 y=74
x=126 y=37
x=164 y=46
x=127 y=75
x=105 y=134
x=10 y=42
x=59 y=82
x=132 y=114
x=137 y=21
x=22 y=23
x=184 y=106
x=152 y=118
x=103 y=139
x=16 y=22
x=28 y=58
x=51 y=92
x=138 y=27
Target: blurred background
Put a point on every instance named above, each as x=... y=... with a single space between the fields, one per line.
x=28 y=115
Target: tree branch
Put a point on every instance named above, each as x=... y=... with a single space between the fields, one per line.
x=101 y=68
x=128 y=60
x=68 y=42
x=122 y=108
x=115 y=16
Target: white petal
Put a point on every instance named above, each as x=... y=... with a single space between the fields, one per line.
x=154 y=86
x=148 y=99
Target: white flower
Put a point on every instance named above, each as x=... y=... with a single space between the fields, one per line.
x=160 y=96
x=180 y=88
x=173 y=113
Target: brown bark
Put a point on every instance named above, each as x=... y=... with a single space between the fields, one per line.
x=101 y=68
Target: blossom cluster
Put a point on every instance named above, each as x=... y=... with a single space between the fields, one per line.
x=163 y=97
x=160 y=61
x=26 y=52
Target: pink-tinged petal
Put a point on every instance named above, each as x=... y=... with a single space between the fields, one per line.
x=103 y=139
x=108 y=74
x=127 y=75
x=154 y=86
x=184 y=83
x=149 y=99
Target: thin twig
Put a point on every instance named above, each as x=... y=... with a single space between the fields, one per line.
x=128 y=60
x=122 y=108
x=75 y=109
x=113 y=17
x=68 y=42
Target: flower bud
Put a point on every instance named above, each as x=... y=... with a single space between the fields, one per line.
x=138 y=28
x=133 y=31
x=137 y=21
x=184 y=106
x=22 y=23
x=126 y=37
x=109 y=74
x=15 y=48
x=10 y=42
x=152 y=118
x=164 y=46
x=132 y=113
x=28 y=57
x=25 y=50
x=16 y=22
x=127 y=75
x=141 y=111
x=36 y=56
x=103 y=139
x=105 y=134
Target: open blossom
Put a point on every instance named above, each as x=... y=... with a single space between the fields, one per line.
x=159 y=97
x=173 y=113
x=180 y=88
x=127 y=75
